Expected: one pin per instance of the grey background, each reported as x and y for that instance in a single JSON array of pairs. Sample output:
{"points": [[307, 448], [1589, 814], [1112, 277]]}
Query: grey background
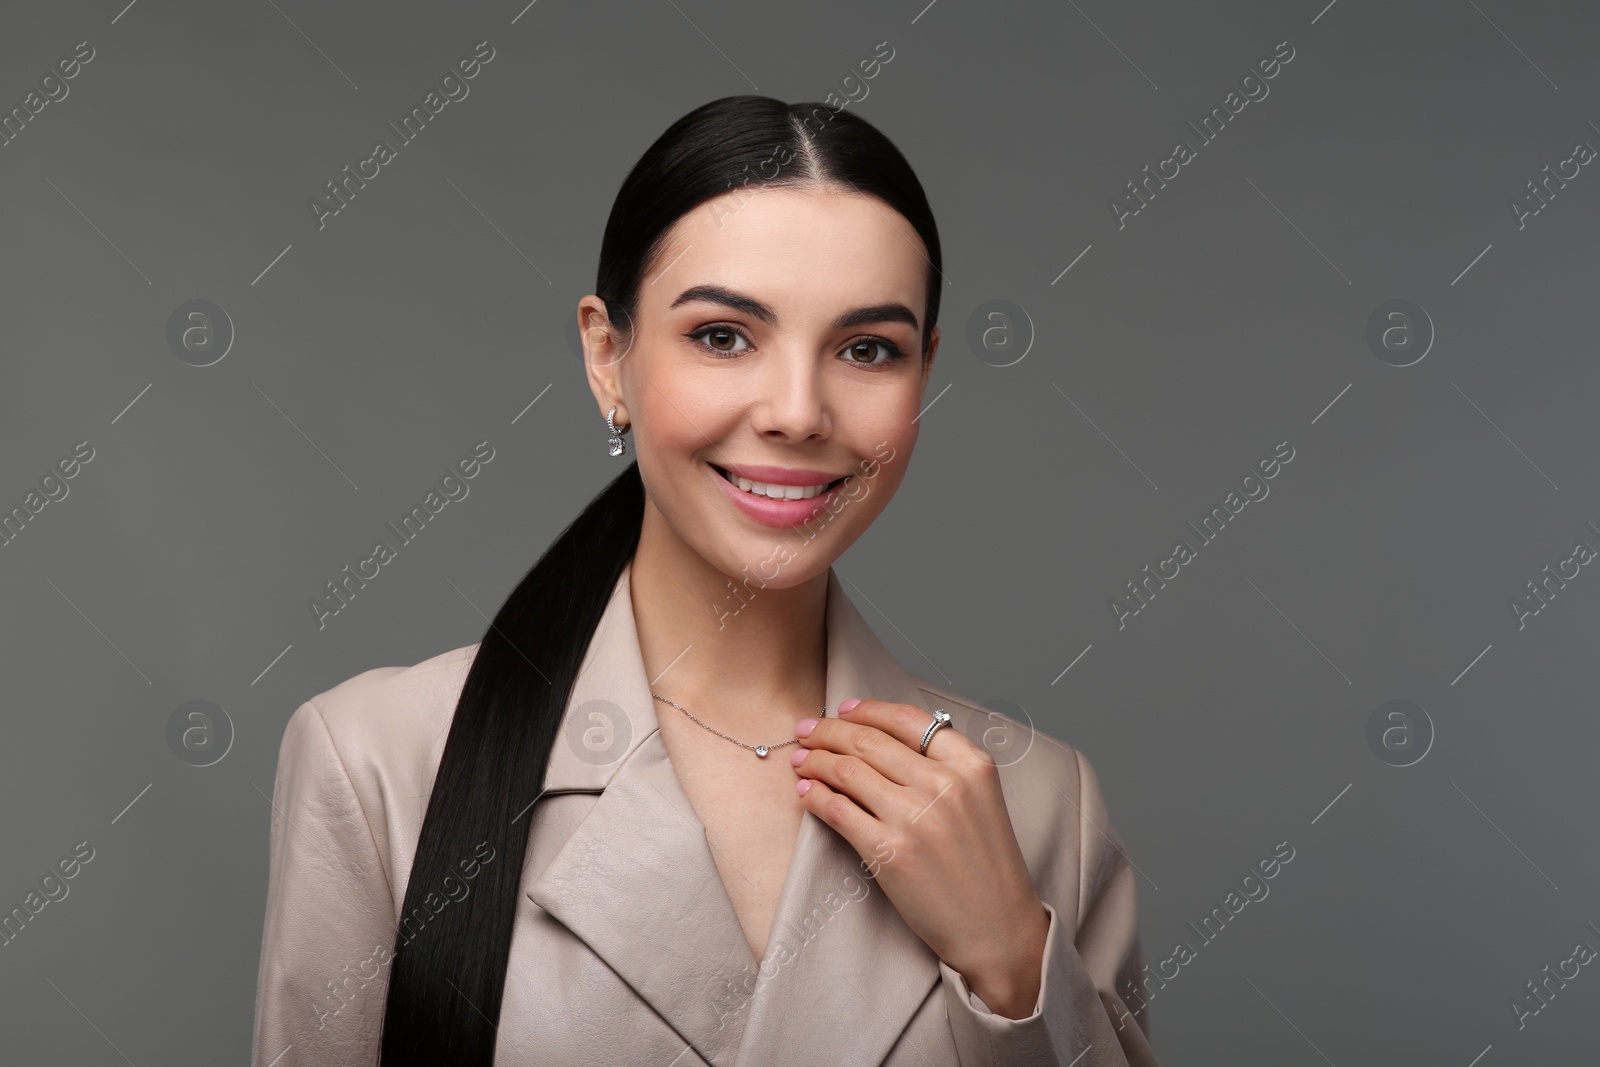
{"points": [[1227, 316]]}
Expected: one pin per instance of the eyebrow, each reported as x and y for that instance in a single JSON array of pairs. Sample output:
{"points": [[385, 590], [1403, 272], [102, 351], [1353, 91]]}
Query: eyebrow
{"points": [[717, 294]]}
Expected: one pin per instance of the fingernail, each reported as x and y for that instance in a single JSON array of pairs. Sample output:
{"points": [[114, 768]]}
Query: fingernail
{"points": [[804, 727], [799, 755], [848, 705], [802, 785]]}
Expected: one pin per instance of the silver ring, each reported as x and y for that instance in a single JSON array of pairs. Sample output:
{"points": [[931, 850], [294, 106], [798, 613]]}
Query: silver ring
{"points": [[940, 718]]}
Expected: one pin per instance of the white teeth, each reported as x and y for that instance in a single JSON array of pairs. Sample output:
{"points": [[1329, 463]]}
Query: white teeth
{"points": [[777, 492]]}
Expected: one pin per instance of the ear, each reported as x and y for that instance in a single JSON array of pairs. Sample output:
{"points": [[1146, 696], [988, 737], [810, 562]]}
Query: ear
{"points": [[603, 352], [933, 348]]}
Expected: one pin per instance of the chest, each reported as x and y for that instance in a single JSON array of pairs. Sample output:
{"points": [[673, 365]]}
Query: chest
{"points": [[752, 818]]}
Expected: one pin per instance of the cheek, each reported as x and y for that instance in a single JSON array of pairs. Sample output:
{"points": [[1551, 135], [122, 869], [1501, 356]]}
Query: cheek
{"points": [[876, 488], [892, 445], [887, 412], [677, 416]]}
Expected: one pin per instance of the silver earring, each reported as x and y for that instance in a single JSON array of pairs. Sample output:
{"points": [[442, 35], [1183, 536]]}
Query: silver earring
{"points": [[615, 444]]}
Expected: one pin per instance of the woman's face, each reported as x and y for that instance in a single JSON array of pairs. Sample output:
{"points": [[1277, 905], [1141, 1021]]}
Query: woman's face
{"points": [[778, 335]]}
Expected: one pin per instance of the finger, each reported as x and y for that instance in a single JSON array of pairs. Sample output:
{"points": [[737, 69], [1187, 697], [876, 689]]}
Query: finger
{"points": [[881, 751], [850, 775], [843, 814], [908, 722]]}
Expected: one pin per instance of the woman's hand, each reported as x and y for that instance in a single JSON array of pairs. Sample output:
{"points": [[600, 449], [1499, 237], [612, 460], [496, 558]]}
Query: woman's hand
{"points": [[937, 831]]}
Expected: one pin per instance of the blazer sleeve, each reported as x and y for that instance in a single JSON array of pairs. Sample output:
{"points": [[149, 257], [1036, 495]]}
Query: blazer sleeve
{"points": [[329, 930], [1080, 1019]]}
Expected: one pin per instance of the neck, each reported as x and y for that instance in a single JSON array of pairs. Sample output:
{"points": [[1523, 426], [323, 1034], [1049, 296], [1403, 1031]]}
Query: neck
{"points": [[751, 661]]}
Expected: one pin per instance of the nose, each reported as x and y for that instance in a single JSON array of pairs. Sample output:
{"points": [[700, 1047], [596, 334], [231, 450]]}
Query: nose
{"points": [[790, 403]]}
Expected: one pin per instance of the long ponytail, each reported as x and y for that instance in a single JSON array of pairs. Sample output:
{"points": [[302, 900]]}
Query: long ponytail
{"points": [[492, 769], [447, 982]]}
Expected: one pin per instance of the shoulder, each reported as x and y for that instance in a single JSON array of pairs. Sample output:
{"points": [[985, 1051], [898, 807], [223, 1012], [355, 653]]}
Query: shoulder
{"points": [[385, 723], [357, 761]]}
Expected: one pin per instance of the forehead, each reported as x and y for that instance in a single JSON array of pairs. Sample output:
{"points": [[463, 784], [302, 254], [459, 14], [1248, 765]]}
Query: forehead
{"points": [[807, 251]]}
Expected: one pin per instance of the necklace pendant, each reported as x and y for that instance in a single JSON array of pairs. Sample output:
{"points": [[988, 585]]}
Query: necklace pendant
{"points": [[762, 750]]}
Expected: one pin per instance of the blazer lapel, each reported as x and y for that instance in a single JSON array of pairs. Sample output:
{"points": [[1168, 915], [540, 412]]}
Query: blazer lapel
{"points": [[840, 963], [637, 883]]}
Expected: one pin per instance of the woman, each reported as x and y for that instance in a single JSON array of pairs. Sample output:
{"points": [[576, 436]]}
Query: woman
{"points": [[679, 805]]}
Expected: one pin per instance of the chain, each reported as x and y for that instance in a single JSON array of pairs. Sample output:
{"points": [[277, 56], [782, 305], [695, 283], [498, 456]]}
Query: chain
{"points": [[760, 750]]}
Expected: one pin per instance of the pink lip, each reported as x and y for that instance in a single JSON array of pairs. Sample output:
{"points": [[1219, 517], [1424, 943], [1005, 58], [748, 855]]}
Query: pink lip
{"points": [[777, 513]]}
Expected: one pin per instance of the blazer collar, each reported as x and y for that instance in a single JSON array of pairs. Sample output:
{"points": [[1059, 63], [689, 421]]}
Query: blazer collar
{"points": [[637, 883]]}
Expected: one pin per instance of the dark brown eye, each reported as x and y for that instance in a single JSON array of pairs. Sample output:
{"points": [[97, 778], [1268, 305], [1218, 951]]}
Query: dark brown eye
{"points": [[866, 346], [721, 340]]}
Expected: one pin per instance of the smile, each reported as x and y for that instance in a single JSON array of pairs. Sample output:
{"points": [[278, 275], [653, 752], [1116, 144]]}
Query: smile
{"points": [[774, 505], [777, 492]]}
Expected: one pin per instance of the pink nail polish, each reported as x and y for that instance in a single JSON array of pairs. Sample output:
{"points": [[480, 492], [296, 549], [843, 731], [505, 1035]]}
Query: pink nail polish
{"points": [[802, 785], [804, 727], [799, 756], [849, 705]]}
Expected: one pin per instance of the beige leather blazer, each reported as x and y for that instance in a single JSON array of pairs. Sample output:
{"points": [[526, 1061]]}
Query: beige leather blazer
{"points": [[626, 949]]}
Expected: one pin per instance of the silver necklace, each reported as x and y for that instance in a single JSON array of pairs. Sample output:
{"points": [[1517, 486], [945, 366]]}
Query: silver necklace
{"points": [[760, 750]]}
